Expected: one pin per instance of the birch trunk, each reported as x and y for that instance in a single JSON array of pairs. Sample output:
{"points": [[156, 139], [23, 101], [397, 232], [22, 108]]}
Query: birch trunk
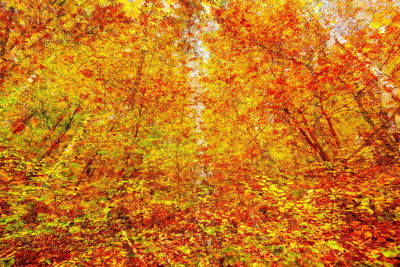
{"points": [[389, 91], [196, 55]]}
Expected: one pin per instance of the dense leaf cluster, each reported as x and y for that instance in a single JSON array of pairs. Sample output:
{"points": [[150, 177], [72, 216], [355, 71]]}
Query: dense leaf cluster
{"points": [[205, 133]]}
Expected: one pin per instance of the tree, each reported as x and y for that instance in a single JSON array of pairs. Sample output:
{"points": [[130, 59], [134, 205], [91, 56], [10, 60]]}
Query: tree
{"points": [[207, 133]]}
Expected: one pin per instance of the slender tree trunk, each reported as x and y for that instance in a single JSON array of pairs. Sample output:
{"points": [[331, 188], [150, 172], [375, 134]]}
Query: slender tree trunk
{"points": [[17, 52], [331, 128], [61, 136], [309, 136], [67, 153], [389, 91], [364, 112], [194, 50]]}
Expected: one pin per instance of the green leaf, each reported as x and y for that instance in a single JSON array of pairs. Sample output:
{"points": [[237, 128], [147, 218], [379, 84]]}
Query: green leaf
{"points": [[210, 230], [8, 262], [74, 229], [390, 253], [334, 245]]}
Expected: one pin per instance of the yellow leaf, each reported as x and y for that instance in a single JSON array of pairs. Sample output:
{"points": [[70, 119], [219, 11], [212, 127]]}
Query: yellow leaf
{"points": [[368, 235], [132, 8]]}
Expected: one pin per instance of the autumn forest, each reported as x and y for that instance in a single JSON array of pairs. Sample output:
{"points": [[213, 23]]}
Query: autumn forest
{"points": [[199, 133]]}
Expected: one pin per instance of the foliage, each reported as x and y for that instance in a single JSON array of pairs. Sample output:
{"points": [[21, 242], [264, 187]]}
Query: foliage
{"points": [[206, 133]]}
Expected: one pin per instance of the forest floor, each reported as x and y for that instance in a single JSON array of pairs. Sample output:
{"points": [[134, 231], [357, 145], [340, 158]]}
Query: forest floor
{"points": [[315, 218]]}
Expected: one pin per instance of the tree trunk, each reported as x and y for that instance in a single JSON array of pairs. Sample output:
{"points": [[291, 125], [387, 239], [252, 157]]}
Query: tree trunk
{"points": [[309, 136], [331, 129]]}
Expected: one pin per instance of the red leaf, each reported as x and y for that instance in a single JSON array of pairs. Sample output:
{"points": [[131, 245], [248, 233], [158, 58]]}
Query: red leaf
{"points": [[87, 73]]}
